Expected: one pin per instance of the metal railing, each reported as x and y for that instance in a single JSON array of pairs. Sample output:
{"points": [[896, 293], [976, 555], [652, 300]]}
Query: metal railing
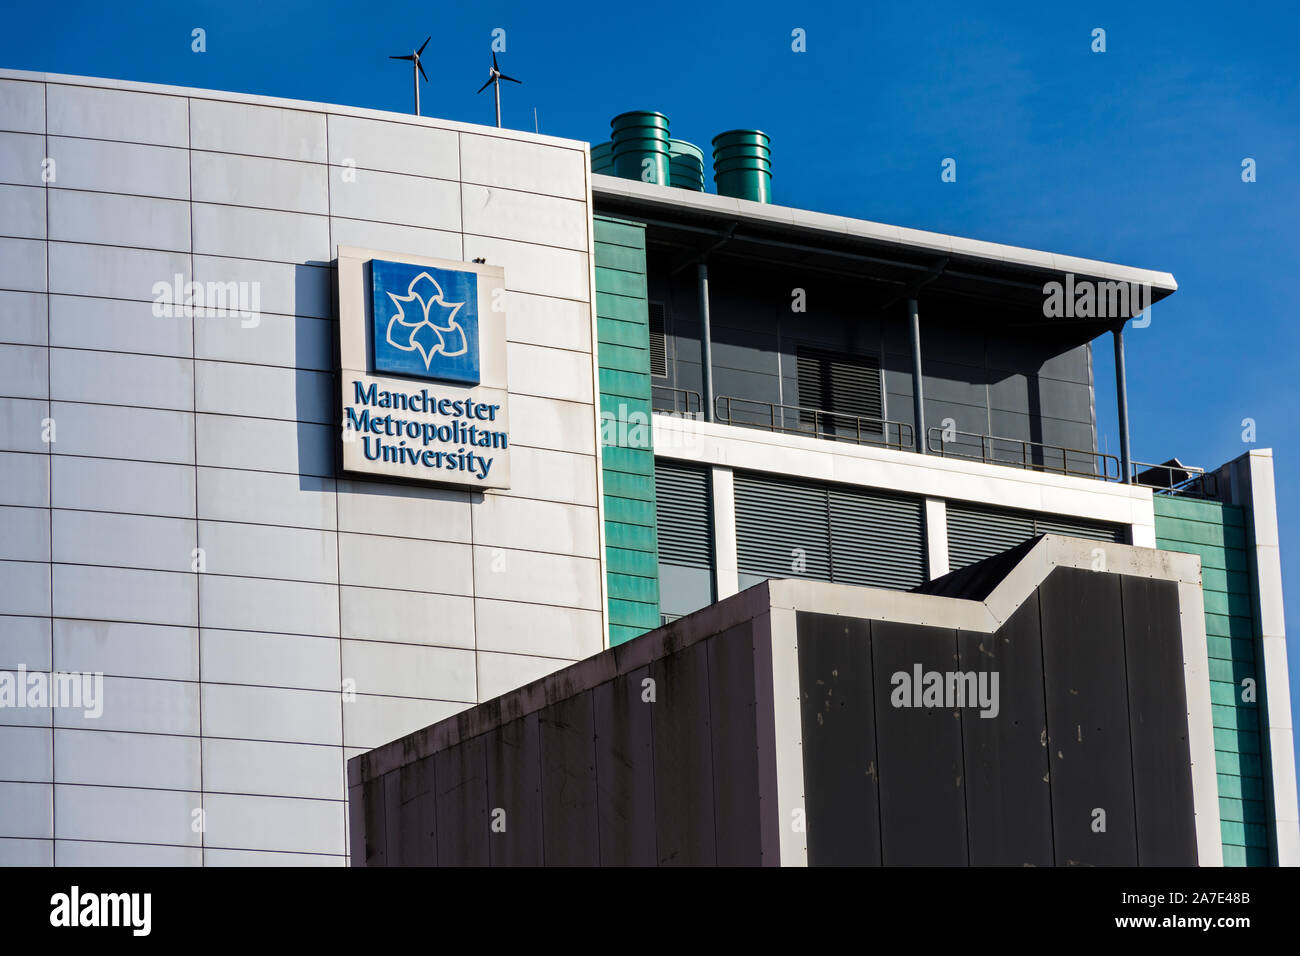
{"points": [[813, 422], [1022, 453], [677, 401], [1169, 478], [1175, 478]]}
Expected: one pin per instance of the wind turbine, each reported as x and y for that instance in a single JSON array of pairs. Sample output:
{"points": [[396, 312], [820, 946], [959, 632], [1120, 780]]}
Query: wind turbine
{"points": [[494, 79], [418, 70]]}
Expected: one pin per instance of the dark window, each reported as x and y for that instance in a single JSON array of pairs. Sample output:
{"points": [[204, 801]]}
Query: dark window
{"points": [[658, 341], [848, 386]]}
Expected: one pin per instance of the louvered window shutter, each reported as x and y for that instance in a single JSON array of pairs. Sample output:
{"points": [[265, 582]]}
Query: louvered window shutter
{"points": [[658, 341], [682, 513], [976, 533], [847, 385]]}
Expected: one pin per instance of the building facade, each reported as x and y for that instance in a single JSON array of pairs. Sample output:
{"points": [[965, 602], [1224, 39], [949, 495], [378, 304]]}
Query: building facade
{"points": [[257, 615], [704, 392], [791, 724]]}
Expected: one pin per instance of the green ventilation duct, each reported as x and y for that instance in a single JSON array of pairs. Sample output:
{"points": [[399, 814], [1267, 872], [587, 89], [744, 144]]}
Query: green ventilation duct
{"points": [[602, 159], [641, 151], [686, 164], [742, 164]]}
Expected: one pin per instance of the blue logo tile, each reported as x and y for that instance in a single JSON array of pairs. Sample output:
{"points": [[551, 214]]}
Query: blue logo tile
{"points": [[426, 321]]}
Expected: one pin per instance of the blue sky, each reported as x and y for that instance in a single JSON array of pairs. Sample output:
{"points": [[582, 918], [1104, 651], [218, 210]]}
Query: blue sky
{"points": [[1132, 155]]}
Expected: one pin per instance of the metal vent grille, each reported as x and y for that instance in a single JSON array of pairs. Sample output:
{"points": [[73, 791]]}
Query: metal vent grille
{"points": [[658, 341], [827, 533], [682, 513], [840, 383], [877, 540], [978, 533], [782, 530]]}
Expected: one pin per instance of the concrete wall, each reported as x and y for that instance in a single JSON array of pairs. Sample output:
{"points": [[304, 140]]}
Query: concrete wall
{"points": [[763, 729], [223, 688]]}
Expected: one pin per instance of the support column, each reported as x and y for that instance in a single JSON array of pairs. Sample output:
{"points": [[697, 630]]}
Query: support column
{"points": [[1253, 485], [918, 397], [936, 538], [706, 343], [726, 563], [1121, 401]]}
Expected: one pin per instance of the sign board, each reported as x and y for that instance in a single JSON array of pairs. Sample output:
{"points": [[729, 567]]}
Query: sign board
{"points": [[422, 348]]}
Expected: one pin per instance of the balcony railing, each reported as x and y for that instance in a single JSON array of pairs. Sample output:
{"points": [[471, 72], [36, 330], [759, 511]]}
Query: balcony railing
{"points": [[676, 401], [813, 422], [1021, 453], [1169, 478]]}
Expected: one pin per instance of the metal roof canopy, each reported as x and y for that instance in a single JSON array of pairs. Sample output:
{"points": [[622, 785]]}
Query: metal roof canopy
{"points": [[901, 258]]}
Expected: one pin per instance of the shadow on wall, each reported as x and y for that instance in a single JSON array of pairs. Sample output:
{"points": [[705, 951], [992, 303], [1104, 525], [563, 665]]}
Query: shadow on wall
{"points": [[989, 372]]}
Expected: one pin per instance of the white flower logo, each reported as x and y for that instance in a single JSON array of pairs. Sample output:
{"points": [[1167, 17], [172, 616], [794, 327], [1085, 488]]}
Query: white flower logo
{"points": [[434, 330]]}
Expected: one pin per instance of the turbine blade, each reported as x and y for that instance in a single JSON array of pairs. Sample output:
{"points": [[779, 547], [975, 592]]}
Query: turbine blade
{"points": [[401, 58], [424, 44], [511, 79], [421, 69], [494, 59], [486, 85]]}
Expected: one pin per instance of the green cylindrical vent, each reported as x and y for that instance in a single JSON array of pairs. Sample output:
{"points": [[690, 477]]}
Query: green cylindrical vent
{"points": [[686, 165], [640, 141], [602, 159], [742, 164]]}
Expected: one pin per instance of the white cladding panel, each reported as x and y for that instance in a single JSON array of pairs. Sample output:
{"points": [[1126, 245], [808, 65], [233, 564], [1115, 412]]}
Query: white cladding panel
{"points": [[185, 531]]}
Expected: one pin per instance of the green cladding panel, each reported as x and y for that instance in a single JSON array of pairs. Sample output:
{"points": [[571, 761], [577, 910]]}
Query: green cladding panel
{"points": [[1217, 532], [628, 459]]}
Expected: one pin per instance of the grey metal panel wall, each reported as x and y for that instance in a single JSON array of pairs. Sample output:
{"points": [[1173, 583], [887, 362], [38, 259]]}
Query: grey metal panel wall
{"points": [[625, 793], [1091, 716], [1008, 793], [568, 762], [417, 824], [612, 775], [684, 814], [513, 753], [732, 720], [461, 802], [828, 533], [976, 533], [1157, 701], [375, 805], [841, 789], [1086, 690], [922, 783]]}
